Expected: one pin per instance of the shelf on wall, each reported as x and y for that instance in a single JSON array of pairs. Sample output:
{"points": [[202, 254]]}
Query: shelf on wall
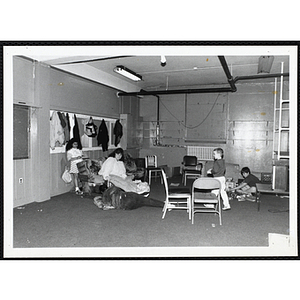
{"points": [[239, 139], [250, 121], [206, 141]]}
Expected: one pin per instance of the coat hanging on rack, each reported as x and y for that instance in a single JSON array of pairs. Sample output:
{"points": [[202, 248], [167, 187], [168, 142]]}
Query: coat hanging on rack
{"points": [[64, 124], [66, 128], [68, 122], [76, 133], [57, 136], [103, 137], [118, 132]]}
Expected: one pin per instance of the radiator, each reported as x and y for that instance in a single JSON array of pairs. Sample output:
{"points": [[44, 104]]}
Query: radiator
{"points": [[202, 153]]}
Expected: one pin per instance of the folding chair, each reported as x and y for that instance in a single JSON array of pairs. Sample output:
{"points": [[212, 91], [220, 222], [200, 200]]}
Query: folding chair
{"points": [[206, 197], [151, 167], [181, 200], [190, 168]]}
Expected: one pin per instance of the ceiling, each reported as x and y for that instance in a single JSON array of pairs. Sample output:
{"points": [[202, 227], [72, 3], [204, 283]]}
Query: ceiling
{"points": [[180, 72]]}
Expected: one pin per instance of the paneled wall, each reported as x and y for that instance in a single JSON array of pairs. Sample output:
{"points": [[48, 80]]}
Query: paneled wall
{"points": [[250, 126], [31, 176], [241, 123]]}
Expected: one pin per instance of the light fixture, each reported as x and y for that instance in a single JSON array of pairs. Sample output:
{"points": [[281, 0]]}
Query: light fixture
{"points": [[265, 64], [127, 73], [163, 61]]}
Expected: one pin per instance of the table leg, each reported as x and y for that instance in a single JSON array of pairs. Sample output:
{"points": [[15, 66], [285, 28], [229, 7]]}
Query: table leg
{"points": [[258, 200]]}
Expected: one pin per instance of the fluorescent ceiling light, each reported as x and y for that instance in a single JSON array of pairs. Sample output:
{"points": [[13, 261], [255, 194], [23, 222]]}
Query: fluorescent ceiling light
{"points": [[265, 64], [127, 73]]}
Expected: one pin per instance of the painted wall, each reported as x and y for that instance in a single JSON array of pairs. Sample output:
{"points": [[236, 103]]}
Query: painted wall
{"points": [[241, 123]]}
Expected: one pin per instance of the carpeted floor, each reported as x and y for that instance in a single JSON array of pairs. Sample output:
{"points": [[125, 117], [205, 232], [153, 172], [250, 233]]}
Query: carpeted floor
{"points": [[70, 220]]}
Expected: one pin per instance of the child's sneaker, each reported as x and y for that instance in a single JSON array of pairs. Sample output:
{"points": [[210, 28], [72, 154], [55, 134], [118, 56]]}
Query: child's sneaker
{"points": [[250, 198], [79, 192], [241, 198], [226, 208]]}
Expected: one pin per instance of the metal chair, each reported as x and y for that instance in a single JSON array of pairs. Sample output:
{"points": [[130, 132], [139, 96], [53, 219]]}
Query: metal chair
{"points": [[181, 200], [151, 167], [190, 168], [206, 197]]}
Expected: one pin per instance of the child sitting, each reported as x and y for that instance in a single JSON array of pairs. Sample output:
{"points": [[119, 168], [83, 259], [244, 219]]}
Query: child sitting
{"points": [[247, 189]]}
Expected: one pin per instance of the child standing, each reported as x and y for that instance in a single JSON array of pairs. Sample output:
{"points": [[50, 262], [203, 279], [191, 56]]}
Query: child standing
{"points": [[74, 156], [218, 171]]}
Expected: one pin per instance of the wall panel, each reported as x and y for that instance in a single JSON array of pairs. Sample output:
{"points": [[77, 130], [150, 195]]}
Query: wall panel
{"points": [[245, 143], [77, 95]]}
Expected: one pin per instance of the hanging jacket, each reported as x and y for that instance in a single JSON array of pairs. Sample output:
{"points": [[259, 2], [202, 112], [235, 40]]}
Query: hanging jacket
{"points": [[103, 137], [57, 136], [76, 133], [63, 122], [118, 132], [66, 128], [68, 122]]}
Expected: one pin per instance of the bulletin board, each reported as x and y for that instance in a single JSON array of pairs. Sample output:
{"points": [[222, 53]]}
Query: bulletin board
{"points": [[21, 129]]}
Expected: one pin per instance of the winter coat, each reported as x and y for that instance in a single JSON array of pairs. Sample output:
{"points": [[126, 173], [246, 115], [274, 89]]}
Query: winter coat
{"points": [[118, 132], [103, 137], [76, 133]]}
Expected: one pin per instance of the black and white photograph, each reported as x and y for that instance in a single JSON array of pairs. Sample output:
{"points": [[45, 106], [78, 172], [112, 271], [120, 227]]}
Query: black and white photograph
{"points": [[150, 151]]}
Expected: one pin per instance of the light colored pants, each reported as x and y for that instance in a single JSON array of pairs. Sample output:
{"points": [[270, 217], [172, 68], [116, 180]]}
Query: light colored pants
{"points": [[224, 196], [247, 190]]}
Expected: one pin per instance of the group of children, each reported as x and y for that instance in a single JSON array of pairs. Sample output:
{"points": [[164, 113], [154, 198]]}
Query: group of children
{"points": [[244, 191]]}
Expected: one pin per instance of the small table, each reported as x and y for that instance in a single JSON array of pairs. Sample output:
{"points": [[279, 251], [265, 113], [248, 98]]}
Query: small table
{"points": [[266, 188]]}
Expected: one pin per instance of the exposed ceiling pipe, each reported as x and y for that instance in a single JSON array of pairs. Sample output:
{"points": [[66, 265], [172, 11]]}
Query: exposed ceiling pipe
{"points": [[227, 72], [193, 91], [183, 91], [157, 117], [259, 76], [230, 79], [157, 139]]}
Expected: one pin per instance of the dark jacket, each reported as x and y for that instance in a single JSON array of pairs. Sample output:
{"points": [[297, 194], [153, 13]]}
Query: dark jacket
{"points": [[118, 132], [103, 137], [76, 133]]}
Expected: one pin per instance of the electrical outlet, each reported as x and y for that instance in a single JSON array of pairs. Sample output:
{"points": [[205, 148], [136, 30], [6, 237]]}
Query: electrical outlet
{"points": [[20, 180]]}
